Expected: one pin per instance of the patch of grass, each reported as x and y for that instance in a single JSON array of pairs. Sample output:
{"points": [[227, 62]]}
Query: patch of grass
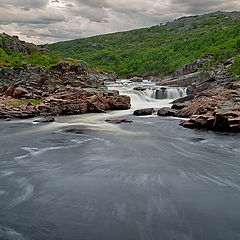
{"points": [[197, 74], [18, 59], [33, 101]]}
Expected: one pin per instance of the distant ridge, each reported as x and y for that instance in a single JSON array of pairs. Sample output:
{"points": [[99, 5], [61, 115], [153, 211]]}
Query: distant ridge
{"points": [[161, 49]]}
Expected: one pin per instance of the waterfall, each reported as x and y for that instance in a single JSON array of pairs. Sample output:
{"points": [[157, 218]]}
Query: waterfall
{"points": [[168, 93], [147, 94]]}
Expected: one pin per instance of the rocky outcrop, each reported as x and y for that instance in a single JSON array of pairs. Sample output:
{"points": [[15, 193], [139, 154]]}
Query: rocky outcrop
{"points": [[196, 79], [193, 66], [9, 44], [216, 109], [62, 90]]}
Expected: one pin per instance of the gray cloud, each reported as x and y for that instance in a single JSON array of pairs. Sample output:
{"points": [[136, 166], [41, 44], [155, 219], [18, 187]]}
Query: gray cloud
{"points": [[25, 9], [54, 20], [24, 3]]}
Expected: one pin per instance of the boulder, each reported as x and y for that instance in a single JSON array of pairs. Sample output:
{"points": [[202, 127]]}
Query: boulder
{"points": [[120, 102], [20, 91], [143, 112], [166, 111]]}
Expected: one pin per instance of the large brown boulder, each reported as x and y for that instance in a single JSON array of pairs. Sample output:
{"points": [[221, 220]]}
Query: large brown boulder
{"points": [[222, 122], [143, 112], [216, 109], [121, 102]]}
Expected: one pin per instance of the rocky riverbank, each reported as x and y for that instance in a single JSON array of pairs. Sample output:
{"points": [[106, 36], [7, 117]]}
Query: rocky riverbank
{"points": [[63, 89], [213, 100], [215, 109]]}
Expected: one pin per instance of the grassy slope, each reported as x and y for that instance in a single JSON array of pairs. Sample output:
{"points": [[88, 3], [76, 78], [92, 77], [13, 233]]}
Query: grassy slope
{"points": [[15, 53], [161, 49]]}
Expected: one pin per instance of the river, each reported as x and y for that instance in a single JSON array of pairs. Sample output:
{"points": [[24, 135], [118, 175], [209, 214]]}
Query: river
{"points": [[81, 178]]}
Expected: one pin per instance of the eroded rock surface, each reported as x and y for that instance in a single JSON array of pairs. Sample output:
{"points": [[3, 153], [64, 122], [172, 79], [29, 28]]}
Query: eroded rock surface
{"points": [[215, 109], [65, 89]]}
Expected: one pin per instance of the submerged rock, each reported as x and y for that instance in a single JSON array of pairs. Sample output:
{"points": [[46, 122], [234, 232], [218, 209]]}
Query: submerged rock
{"points": [[117, 121], [140, 88], [46, 119]]}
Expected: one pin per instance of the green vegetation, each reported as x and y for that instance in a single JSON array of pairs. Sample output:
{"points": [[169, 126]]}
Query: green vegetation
{"points": [[18, 59], [236, 67], [14, 53], [159, 50], [33, 101]]}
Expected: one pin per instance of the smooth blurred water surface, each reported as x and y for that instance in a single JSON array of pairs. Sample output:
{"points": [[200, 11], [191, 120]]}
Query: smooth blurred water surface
{"points": [[81, 178]]}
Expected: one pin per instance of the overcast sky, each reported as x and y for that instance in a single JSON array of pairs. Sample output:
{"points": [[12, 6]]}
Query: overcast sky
{"points": [[47, 21]]}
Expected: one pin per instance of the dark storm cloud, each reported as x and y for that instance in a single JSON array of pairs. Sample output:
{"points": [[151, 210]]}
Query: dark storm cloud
{"points": [[54, 20]]}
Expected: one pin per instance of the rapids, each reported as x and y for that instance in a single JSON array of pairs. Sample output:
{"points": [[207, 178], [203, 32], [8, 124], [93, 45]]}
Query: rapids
{"points": [[81, 178]]}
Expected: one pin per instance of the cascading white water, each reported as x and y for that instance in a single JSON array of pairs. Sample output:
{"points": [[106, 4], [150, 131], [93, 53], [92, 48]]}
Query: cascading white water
{"points": [[169, 93], [139, 99], [147, 94]]}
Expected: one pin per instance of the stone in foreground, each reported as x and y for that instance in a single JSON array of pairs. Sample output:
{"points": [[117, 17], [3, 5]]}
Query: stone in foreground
{"points": [[143, 112]]}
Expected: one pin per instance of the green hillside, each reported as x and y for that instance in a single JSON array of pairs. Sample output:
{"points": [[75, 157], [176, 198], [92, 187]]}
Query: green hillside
{"points": [[16, 53], [161, 49]]}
